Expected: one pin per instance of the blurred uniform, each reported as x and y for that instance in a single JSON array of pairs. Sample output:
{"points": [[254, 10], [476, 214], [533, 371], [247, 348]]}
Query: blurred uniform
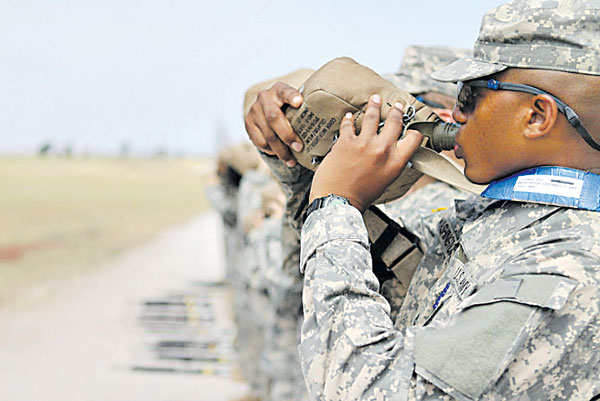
{"points": [[251, 302], [232, 163], [252, 244], [266, 339]]}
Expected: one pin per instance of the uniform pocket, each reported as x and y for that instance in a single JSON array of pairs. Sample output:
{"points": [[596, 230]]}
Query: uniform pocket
{"points": [[469, 355]]}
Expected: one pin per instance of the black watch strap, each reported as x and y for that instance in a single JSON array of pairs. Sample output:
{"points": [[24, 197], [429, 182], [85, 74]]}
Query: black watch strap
{"points": [[325, 201]]}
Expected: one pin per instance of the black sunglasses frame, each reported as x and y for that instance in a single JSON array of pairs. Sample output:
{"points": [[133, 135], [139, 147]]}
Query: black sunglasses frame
{"points": [[572, 117]]}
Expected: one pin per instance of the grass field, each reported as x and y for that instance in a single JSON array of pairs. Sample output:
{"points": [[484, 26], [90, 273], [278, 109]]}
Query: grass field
{"points": [[62, 217]]}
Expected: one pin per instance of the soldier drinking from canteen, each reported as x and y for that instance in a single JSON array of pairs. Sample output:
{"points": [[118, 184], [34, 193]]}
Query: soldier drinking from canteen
{"points": [[511, 306]]}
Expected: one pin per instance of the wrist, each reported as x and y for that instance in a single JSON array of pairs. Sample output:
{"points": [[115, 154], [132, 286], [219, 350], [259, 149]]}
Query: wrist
{"points": [[325, 201]]}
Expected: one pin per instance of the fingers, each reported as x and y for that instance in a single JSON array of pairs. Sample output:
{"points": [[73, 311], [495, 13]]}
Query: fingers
{"points": [[268, 139], [288, 94], [257, 138], [347, 126], [407, 146], [276, 119], [392, 130], [267, 126], [370, 123]]}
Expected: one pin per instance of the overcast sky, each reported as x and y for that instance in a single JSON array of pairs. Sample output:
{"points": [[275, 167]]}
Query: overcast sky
{"points": [[94, 74]]}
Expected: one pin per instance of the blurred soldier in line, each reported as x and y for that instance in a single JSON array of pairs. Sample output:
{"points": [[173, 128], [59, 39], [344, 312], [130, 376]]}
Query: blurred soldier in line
{"points": [[413, 76], [260, 207], [254, 239], [232, 163], [238, 199]]}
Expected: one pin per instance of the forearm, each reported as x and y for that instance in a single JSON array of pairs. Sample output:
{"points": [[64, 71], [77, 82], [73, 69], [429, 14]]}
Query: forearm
{"points": [[350, 349], [295, 182]]}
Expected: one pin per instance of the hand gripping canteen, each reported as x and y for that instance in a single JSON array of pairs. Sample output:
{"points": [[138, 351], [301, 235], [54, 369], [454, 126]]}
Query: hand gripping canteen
{"points": [[341, 86]]}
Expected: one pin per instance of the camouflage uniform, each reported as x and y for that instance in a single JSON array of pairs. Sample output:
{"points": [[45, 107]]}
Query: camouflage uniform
{"points": [[417, 65], [250, 298], [288, 297], [505, 303], [267, 299], [223, 198], [296, 183], [498, 317], [233, 162], [419, 212]]}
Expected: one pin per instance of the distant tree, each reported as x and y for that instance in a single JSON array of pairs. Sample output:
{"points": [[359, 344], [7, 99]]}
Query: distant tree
{"points": [[161, 152], [68, 151], [124, 152], [44, 149]]}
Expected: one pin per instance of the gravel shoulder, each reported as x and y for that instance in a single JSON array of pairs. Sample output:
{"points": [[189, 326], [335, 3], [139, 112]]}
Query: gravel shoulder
{"points": [[80, 339]]}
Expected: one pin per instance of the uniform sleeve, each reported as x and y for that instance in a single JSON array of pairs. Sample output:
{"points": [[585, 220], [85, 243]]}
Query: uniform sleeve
{"points": [[223, 203], [295, 182], [349, 349]]}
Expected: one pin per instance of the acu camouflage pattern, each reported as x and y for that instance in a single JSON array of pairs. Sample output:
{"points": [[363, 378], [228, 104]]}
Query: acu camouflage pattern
{"points": [[296, 183], [516, 290], [267, 332], [223, 197], [285, 288], [225, 203], [259, 240], [557, 35], [419, 212], [417, 65]]}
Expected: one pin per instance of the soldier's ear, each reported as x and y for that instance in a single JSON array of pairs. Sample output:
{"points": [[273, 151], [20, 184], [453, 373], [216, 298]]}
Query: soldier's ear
{"points": [[541, 115]]}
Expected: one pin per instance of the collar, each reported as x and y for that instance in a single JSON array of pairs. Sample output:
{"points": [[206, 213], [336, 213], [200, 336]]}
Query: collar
{"points": [[552, 185]]}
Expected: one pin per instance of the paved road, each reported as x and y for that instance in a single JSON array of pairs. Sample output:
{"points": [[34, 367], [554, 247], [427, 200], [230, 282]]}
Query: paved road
{"points": [[80, 343]]}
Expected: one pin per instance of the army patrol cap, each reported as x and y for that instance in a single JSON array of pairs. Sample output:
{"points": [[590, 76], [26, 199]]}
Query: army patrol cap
{"points": [[561, 35], [414, 74], [241, 157]]}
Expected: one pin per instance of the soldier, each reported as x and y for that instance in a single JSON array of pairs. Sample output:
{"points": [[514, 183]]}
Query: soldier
{"points": [[251, 303], [506, 302], [418, 62], [232, 163], [251, 204]]}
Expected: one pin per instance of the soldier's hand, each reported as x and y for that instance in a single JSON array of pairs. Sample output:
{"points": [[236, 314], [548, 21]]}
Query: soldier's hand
{"points": [[267, 126], [361, 167]]}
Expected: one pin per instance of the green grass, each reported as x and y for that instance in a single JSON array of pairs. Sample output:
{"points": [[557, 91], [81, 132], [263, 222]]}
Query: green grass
{"points": [[63, 217]]}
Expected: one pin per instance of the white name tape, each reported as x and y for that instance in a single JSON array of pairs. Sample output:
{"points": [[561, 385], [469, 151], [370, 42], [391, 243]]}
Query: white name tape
{"points": [[550, 185]]}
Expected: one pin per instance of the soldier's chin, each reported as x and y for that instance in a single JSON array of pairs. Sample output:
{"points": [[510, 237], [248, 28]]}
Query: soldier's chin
{"points": [[475, 176]]}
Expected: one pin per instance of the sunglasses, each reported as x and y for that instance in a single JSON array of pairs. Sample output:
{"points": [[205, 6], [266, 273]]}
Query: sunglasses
{"points": [[467, 95]]}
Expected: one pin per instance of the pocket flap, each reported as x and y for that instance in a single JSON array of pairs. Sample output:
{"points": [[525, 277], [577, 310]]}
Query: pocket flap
{"points": [[542, 290], [468, 356]]}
